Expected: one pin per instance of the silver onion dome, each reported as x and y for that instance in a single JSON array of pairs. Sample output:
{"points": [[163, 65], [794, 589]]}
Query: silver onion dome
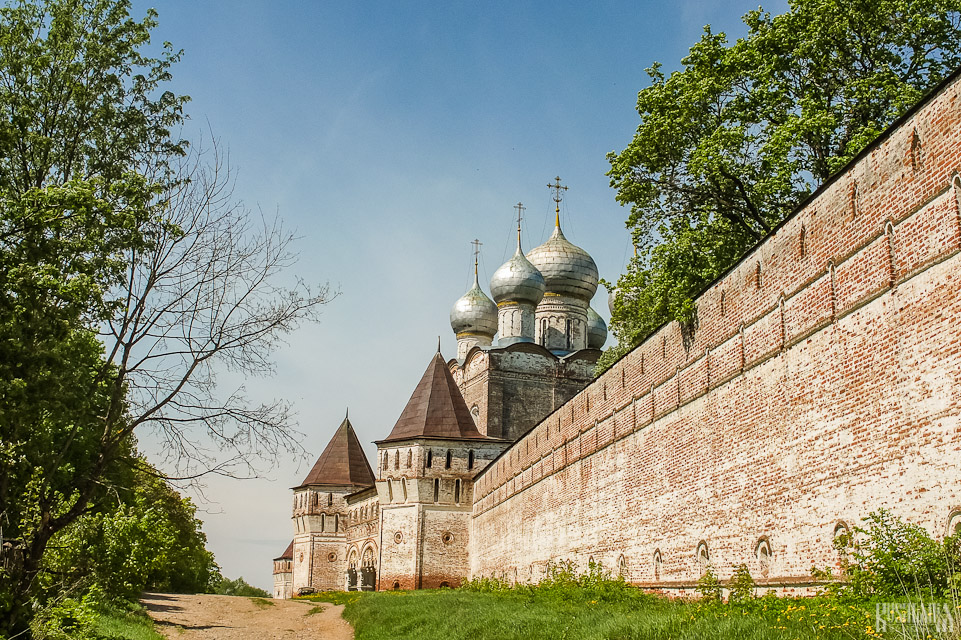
{"points": [[517, 281], [568, 270], [596, 330], [474, 313]]}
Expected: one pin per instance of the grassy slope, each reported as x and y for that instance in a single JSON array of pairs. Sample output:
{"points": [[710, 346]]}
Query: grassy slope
{"points": [[116, 624], [454, 615]]}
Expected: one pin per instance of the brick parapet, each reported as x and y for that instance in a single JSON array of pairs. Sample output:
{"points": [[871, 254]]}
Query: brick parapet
{"points": [[889, 216]]}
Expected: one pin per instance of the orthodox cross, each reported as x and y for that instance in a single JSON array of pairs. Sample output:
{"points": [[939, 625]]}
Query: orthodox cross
{"points": [[477, 245], [557, 188], [520, 216]]}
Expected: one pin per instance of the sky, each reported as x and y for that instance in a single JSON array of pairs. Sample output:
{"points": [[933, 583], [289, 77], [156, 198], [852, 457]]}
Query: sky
{"points": [[387, 136]]}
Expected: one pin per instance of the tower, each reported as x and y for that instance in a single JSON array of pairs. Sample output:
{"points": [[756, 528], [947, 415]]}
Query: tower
{"points": [[517, 287], [425, 486], [570, 278], [474, 316], [319, 512]]}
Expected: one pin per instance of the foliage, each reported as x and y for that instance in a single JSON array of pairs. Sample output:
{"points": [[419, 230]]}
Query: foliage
{"points": [[741, 585], [709, 586], [151, 540], [731, 143], [239, 587], [127, 275], [562, 582], [892, 558]]}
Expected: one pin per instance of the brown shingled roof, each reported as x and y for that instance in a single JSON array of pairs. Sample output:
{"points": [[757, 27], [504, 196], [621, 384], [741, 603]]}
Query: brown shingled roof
{"points": [[288, 554], [436, 409], [343, 461]]}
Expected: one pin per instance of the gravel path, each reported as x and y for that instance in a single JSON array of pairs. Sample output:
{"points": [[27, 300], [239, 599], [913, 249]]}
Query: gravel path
{"points": [[208, 617]]}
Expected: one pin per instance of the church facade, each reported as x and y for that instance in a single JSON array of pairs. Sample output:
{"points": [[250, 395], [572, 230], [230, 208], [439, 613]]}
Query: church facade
{"points": [[821, 382]]}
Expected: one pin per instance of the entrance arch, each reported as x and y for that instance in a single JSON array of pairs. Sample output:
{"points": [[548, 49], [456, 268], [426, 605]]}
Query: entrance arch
{"points": [[368, 570], [352, 574]]}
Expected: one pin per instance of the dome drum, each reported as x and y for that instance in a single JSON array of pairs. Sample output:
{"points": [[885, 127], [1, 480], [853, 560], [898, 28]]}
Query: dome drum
{"points": [[515, 323], [561, 330]]}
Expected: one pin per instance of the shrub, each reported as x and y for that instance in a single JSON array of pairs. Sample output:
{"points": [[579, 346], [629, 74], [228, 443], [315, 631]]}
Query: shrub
{"points": [[742, 586], [893, 558], [709, 587]]}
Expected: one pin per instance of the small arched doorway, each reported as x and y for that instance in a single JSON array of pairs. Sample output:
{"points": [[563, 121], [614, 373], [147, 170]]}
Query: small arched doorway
{"points": [[352, 570], [368, 571]]}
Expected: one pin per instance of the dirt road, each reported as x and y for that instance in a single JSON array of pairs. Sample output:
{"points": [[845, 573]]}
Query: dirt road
{"points": [[208, 617]]}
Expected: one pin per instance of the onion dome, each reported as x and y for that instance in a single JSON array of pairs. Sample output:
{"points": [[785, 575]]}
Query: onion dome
{"points": [[474, 313], [596, 330], [568, 270], [517, 280]]}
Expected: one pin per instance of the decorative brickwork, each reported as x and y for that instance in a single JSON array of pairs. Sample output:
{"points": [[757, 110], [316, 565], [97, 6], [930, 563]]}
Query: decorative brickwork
{"points": [[822, 381]]}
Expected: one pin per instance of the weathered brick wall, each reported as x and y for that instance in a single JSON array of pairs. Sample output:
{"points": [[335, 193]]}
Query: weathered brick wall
{"points": [[320, 535], [823, 382]]}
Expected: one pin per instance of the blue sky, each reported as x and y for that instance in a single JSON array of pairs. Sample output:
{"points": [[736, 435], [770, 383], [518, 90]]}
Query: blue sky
{"points": [[388, 135]]}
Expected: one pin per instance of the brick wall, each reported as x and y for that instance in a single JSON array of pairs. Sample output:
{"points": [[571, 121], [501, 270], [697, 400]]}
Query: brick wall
{"points": [[823, 382]]}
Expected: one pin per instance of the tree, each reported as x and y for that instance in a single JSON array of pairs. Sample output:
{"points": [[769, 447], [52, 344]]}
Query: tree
{"points": [[731, 143], [128, 277]]}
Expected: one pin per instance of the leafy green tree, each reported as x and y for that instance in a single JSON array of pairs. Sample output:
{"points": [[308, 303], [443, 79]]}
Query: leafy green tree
{"points": [[239, 587], [127, 275], [731, 143]]}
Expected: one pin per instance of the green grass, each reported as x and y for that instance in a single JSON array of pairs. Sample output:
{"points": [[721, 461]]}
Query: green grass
{"points": [[459, 614], [116, 624], [263, 603]]}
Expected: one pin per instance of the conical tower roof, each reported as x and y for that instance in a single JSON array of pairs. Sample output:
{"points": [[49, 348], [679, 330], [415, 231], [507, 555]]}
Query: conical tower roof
{"points": [[436, 409], [343, 461], [288, 553]]}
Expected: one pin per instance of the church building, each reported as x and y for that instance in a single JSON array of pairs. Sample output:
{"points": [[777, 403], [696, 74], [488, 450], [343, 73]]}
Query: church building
{"points": [[407, 526]]}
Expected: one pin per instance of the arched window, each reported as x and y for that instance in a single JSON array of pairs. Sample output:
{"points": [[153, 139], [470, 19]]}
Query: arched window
{"points": [[385, 459], [436, 489], [410, 458], [703, 556], [447, 461], [323, 522], [658, 565], [470, 459], [622, 566], [430, 458], [330, 499], [397, 460], [403, 484], [336, 522], [390, 491], [954, 523], [763, 554], [457, 491]]}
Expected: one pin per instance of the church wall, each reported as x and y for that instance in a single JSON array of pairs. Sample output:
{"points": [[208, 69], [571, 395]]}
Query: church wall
{"points": [[822, 382], [398, 553], [511, 389], [320, 534]]}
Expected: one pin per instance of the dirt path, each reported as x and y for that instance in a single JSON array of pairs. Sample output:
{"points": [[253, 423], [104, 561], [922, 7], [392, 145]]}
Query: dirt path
{"points": [[207, 617]]}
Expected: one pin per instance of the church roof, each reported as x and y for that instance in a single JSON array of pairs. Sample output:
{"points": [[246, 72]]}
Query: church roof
{"points": [[436, 409], [288, 553], [342, 462]]}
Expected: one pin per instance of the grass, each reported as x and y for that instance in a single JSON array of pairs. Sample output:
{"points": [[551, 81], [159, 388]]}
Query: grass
{"points": [[262, 603], [460, 614], [117, 624]]}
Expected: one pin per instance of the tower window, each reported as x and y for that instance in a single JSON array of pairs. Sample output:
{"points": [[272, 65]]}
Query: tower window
{"points": [[430, 458], [403, 484], [397, 459], [470, 459], [436, 489], [330, 499], [410, 458], [457, 491], [447, 461], [390, 491]]}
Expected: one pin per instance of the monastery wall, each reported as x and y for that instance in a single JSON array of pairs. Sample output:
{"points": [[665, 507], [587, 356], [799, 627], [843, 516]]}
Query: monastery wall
{"points": [[822, 382]]}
